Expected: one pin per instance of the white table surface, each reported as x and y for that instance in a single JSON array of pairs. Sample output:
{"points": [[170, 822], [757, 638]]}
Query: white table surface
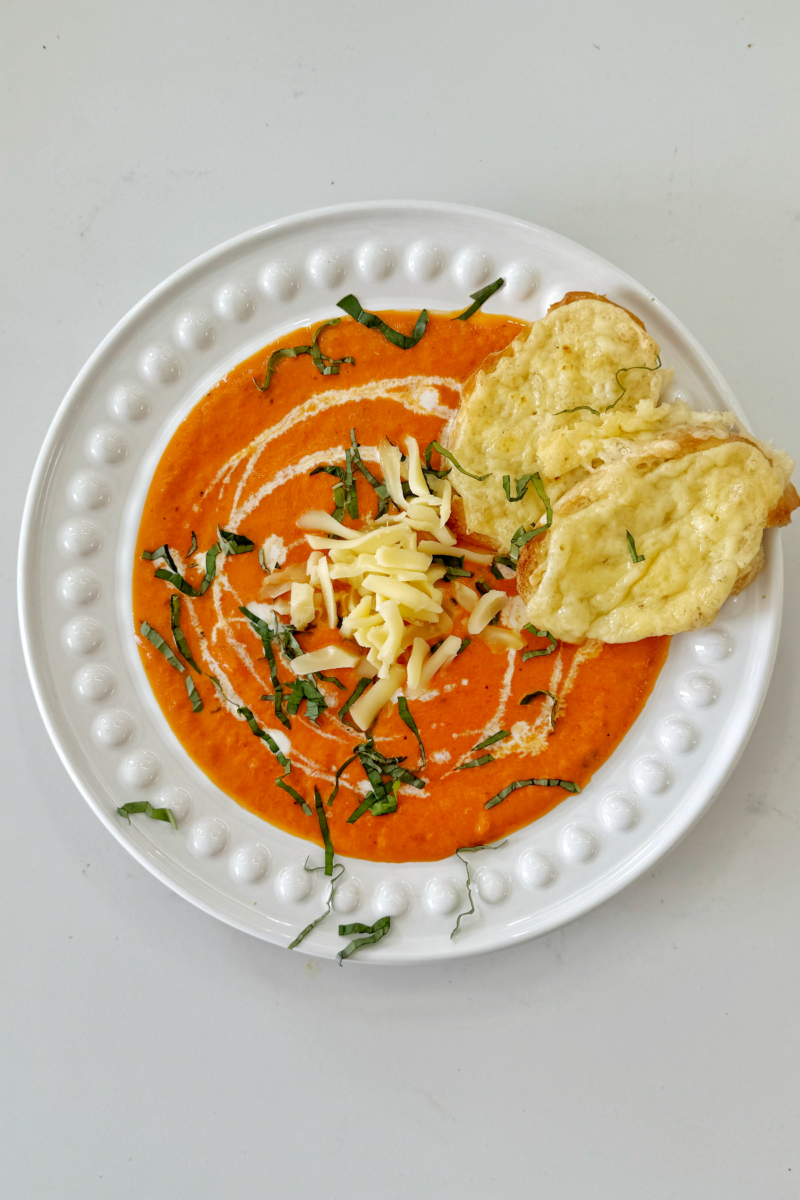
{"points": [[648, 1050]]}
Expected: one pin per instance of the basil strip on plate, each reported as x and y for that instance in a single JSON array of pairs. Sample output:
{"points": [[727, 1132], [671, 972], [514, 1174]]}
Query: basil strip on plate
{"points": [[539, 633], [490, 741], [375, 932], [178, 634], [157, 640], [471, 909], [323, 828], [305, 932], [521, 783], [161, 552], [351, 306], [446, 454], [480, 298], [405, 716], [144, 806], [637, 558]]}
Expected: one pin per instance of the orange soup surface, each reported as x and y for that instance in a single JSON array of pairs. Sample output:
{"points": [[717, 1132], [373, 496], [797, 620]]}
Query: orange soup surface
{"points": [[242, 462]]}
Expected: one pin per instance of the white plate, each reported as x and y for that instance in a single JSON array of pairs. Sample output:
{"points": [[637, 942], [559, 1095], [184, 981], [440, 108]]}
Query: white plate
{"points": [[76, 553]]}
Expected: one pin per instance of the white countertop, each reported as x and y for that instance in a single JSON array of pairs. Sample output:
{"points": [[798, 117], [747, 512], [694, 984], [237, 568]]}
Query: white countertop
{"points": [[649, 1049]]}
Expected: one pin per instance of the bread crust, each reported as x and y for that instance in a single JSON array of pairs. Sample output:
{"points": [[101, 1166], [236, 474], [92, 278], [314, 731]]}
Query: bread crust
{"points": [[571, 297]]}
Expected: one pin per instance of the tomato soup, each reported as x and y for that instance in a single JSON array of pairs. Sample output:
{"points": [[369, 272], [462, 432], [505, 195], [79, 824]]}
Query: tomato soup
{"points": [[242, 462]]}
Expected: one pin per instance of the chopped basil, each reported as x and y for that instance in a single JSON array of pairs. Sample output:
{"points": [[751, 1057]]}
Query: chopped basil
{"points": [[624, 371], [490, 741], [157, 640], [351, 306], [350, 493], [193, 548], [498, 574], [266, 634], [235, 543], [376, 932], [539, 633], [256, 729], [331, 679], [262, 559], [380, 489], [181, 584], [532, 696], [178, 634], [219, 691], [382, 799], [360, 687], [446, 454], [298, 799], [194, 695], [323, 362], [161, 552], [581, 408], [337, 778], [405, 715], [522, 487], [334, 880], [521, 783], [480, 298], [471, 909], [144, 806], [464, 643], [477, 762], [523, 535], [323, 828], [338, 488], [637, 558], [306, 689], [482, 587]]}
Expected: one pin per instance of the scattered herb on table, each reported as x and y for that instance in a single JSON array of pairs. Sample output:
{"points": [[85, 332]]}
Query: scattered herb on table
{"points": [[375, 933]]}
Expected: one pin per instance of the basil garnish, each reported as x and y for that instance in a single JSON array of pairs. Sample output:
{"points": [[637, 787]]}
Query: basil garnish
{"points": [[637, 558], [480, 298], [360, 687], [471, 909], [181, 584], [194, 695], [338, 488], [382, 799], [235, 543], [337, 778], [446, 454], [157, 640], [178, 634], [323, 828], [523, 535], [161, 552], [490, 741], [144, 806], [539, 633], [266, 634], [298, 799], [624, 371], [405, 715], [532, 696], [334, 880], [521, 783], [256, 729], [477, 762], [351, 306], [193, 548], [380, 489], [323, 362], [464, 643], [522, 487], [376, 932]]}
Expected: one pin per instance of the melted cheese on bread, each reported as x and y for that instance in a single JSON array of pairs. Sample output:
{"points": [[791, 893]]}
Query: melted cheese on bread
{"points": [[514, 418], [697, 518]]}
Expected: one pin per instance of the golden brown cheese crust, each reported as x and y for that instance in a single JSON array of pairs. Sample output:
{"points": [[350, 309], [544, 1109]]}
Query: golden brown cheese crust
{"points": [[578, 399]]}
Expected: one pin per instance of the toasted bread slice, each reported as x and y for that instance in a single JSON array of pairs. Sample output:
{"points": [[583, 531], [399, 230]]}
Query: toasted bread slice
{"points": [[570, 359], [696, 507]]}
